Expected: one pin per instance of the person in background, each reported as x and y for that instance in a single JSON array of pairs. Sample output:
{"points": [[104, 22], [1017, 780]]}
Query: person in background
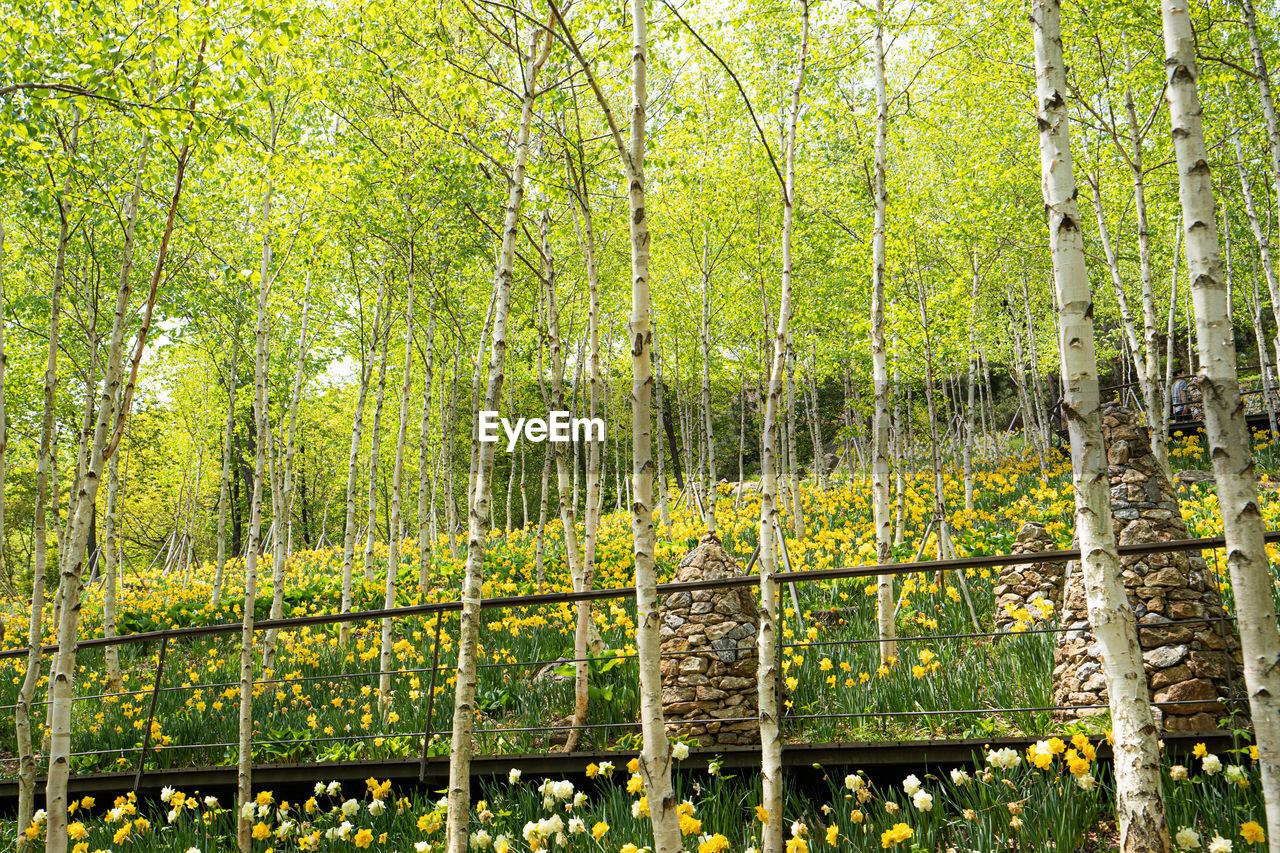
{"points": [[1181, 395]]}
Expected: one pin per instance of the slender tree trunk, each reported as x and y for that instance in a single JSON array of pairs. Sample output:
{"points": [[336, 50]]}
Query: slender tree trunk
{"points": [[1225, 426], [459, 792], [396, 532], [1153, 393], [879, 363], [1140, 810], [40, 544], [371, 532], [426, 491], [4, 420], [113, 409], [224, 487], [262, 430], [282, 516], [664, 513], [972, 381], [706, 392], [448, 425], [1261, 236], [349, 528]]}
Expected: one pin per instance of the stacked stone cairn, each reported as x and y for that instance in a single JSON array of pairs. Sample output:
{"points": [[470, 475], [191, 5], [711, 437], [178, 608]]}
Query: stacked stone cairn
{"points": [[712, 633], [1029, 595], [1192, 663]]}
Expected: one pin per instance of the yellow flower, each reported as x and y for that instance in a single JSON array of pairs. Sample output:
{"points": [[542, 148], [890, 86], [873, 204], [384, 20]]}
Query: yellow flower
{"points": [[762, 814], [629, 848], [633, 766], [263, 798], [261, 832], [1200, 750], [1252, 832], [598, 831], [364, 838], [76, 831], [856, 816], [892, 837], [833, 833], [592, 770], [635, 784], [689, 824], [797, 845]]}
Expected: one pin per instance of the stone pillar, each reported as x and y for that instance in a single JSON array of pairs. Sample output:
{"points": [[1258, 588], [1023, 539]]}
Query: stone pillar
{"points": [[1195, 663], [712, 633], [1029, 594]]}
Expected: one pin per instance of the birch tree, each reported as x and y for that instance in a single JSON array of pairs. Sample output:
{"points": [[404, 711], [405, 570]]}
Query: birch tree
{"points": [[459, 791], [1140, 809], [1225, 426]]}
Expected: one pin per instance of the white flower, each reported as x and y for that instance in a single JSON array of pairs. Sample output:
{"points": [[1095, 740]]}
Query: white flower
{"points": [[442, 804], [1086, 782], [960, 776], [679, 751], [1178, 773], [319, 789], [853, 782], [562, 790], [246, 810], [1187, 838], [350, 807], [166, 794], [1212, 764], [113, 815], [377, 807], [282, 832], [263, 811], [1219, 844], [344, 830], [577, 825], [606, 768], [1004, 759], [922, 800], [193, 850], [514, 776], [635, 809], [333, 789], [481, 839], [211, 802], [798, 829], [579, 800], [330, 834], [911, 784], [548, 802], [421, 846], [1235, 773], [172, 815], [751, 850]]}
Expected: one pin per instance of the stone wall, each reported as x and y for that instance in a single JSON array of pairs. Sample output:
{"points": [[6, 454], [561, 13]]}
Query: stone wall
{"points": [[1029, 594], [713, 633], [1193, 663]]}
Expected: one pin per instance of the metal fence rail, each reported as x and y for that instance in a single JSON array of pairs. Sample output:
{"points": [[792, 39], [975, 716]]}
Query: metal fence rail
{"points": [[164, 637]]}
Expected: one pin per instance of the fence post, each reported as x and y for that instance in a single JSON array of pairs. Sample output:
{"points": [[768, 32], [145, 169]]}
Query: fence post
{"points": [[155, 695]]}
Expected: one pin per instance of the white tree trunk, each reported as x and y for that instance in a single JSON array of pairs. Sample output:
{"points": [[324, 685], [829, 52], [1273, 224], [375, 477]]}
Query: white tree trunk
{"points": [[224, 489], [879, 362], [375, 439], [1227, 432], [706, 392], [426, 498], [1140, 810], [40, 557], [262, 430], [349, 528], [459, 791], [396, 533]]}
